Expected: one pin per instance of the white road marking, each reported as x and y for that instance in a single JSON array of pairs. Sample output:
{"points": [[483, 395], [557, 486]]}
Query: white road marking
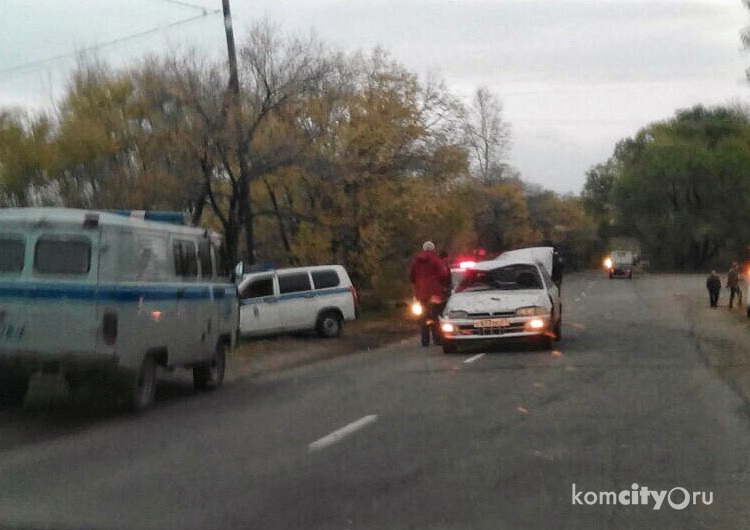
{"points": [[475, 358], [338, 435]]}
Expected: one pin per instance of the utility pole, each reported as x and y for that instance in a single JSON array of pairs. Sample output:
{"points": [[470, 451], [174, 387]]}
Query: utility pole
{"points": [[241, 212]]}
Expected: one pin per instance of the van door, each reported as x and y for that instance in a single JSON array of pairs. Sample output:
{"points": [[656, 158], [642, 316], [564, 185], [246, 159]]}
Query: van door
{"points": [[62, 295], [259, 305], [190, 301], [297, 301], [14, 335]]}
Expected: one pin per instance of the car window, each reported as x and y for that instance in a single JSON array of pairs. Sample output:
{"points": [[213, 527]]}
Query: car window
{"points": [[258, 287], [325, 278], [62, 255], [510, 277], [294, 282], [11, 254]]}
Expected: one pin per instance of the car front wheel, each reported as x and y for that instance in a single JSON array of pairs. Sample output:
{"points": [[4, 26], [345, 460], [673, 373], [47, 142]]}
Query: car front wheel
{"points": [[449, 347]]}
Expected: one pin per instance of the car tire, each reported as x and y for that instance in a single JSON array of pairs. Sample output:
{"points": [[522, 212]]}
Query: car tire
{"points": [[210, 375], [558, 330], [449, 347], [329, 325], [13, 390], [140, 388]]}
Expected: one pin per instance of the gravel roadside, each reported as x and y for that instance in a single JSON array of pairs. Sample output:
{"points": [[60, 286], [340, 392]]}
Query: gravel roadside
{"points": [[723, 338], [372, 330]]}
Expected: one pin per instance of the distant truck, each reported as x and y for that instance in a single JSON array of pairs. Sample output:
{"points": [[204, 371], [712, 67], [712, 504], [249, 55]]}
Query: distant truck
{"points": [[621, 264]]}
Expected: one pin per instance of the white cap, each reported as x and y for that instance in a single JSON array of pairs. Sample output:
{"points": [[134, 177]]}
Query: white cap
{"points": [[428, 245]]}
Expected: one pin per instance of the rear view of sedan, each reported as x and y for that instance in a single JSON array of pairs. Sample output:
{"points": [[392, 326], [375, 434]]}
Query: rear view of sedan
{"points": [[502, 300]]}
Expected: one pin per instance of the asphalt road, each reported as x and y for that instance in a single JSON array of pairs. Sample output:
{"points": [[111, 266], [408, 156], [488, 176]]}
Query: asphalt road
{"points": [[409, 438]]}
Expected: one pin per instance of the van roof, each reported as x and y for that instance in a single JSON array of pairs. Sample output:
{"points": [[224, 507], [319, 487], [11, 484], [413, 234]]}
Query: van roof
{"points": [[76, 217]]}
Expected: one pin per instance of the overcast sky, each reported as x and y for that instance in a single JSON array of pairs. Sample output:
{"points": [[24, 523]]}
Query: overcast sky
{"points": [[574, 76]]}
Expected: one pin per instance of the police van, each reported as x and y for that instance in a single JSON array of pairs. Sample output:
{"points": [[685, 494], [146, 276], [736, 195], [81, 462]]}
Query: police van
{"points": [[104, 299]]}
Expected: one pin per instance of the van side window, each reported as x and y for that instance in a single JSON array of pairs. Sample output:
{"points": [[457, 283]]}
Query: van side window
{"points": [[294, 283], [11, 254], [204, 256], [326, 278], [62, 255], [185, 259], [258, 288]]}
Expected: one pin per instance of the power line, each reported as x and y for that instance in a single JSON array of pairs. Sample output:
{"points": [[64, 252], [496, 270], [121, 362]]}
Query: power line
{"points": [[8, 73], [189, 5]]}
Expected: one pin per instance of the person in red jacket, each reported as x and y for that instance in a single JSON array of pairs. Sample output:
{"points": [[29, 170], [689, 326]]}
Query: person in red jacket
{"points": [[431, 279]]}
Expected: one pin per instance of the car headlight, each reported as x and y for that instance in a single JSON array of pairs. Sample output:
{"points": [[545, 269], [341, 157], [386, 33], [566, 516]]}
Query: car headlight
{"points": [[459, 315], [532, 310]]}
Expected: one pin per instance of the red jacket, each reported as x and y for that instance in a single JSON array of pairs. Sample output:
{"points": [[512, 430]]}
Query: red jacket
{"points": [[430, 276]]}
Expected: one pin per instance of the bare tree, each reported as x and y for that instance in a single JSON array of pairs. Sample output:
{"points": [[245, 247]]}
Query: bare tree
{"points": [[487, 136]]}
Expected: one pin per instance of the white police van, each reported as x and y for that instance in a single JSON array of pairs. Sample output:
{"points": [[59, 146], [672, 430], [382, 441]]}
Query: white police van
{"points": [[104, 299]]}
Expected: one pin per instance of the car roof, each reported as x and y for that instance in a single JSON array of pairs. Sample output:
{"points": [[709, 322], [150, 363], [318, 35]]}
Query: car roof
{"points": [[310, 268]]}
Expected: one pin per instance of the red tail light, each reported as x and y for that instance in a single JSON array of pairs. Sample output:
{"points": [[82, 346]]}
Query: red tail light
{"points": [[109, 328], [355, 295]]}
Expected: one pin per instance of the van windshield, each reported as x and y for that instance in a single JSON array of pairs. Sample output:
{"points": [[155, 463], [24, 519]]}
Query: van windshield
{"points": [[62, 256], [11, 254]]}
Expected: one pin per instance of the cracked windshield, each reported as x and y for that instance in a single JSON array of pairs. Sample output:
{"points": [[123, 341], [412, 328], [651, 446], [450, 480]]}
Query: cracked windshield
{"points": [[374, 265]]}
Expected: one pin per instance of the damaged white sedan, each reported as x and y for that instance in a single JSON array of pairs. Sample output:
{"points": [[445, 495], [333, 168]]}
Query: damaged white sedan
{"points": [[510, 297]]}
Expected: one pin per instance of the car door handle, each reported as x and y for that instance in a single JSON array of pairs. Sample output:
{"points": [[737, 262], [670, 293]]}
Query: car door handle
{"points": [[180, 294]]}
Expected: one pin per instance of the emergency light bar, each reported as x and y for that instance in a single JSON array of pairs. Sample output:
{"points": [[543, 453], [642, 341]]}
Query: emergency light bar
{"points": [[175, 218]]}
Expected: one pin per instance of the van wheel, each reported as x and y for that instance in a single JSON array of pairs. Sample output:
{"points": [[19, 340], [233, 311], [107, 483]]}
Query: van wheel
{"points": [[13, 390], [210, 375], [329, 325], [140, 390]]}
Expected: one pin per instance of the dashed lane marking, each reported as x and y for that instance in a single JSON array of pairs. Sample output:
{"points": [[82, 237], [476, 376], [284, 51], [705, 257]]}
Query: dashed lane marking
{"points": [[337, 436], [474, 358]]}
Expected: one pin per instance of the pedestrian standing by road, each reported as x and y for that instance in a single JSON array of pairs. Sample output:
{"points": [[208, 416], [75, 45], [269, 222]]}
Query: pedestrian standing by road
{"points": [[430, 277], [713, 284], [557, 270], [733, 282]]}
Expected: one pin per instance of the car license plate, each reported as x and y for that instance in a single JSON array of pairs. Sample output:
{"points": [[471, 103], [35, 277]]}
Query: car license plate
{"points": [[491, 323]]}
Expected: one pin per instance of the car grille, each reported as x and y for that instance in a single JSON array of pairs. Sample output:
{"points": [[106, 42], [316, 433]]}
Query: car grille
{"points": [[504, 314]]}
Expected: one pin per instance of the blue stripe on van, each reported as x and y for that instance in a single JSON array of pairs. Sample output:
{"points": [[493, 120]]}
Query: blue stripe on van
{"points": [[112, 293], [301, 294]]}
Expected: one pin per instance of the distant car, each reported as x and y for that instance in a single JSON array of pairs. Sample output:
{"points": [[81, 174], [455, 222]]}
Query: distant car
{"points": [[510, 297], [319, 298]]}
